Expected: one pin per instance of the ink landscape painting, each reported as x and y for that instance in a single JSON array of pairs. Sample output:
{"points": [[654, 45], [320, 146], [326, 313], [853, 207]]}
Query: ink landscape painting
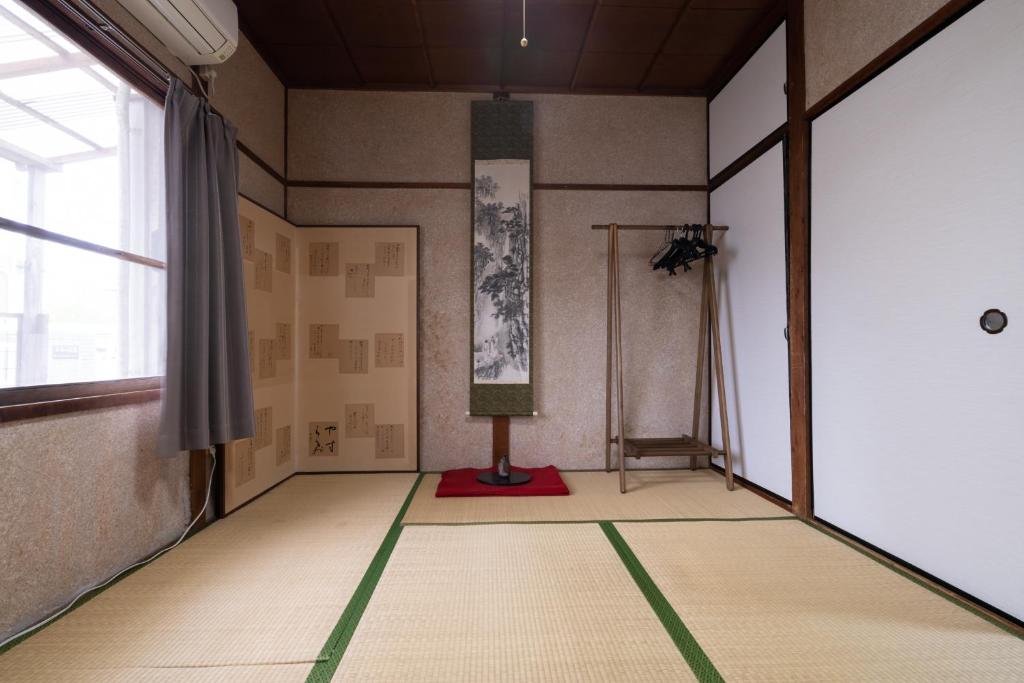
{"points": [[501, 271]]}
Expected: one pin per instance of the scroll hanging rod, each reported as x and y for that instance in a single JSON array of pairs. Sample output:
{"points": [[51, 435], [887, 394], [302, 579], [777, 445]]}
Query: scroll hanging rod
{"points": [[716, 228]]}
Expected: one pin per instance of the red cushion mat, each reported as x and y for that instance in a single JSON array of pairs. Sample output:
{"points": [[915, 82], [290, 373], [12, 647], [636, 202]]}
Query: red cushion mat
{"points": [[458, 483]]}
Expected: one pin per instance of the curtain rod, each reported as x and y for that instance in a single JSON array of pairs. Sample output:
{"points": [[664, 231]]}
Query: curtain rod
{"points": [[716, 228]]}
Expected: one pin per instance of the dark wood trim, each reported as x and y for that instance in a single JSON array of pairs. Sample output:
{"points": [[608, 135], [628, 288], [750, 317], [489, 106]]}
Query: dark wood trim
{"points": [[60, 392], [228, 513], [583, 45], [385, 185], [49, 236], [619, 187], [986, 611], [750, 44], [685, 5], [379, 185], [748, 157], [942, 18], [219, 486], [798, 159], [491, 88], [27, 411], [756, 489], [244, 149], [285, 154]]}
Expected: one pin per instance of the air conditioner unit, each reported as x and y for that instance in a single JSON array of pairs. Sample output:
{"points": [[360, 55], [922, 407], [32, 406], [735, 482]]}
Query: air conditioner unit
{"points": [[195, 31]]}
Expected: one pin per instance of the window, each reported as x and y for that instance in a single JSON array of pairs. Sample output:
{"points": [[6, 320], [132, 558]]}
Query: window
{"points": [[81, 214]]}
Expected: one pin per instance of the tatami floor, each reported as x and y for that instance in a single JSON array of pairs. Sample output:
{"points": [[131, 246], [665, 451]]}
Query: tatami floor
{"points": [[371, 578]]}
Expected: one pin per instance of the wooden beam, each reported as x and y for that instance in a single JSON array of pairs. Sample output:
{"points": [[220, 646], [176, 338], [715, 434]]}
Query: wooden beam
{"points": [[798, 229], [748, 157]]}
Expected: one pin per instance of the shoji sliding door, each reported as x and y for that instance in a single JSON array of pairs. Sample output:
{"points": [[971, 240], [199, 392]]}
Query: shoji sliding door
{"points": [[752, 300], [917, 229], [752, 267]]}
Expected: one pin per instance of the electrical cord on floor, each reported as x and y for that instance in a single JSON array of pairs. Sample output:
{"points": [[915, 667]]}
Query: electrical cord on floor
{"points": [[202, 513]]}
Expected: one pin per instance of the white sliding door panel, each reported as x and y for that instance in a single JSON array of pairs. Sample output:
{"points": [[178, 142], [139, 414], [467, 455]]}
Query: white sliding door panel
{"points": [[917, 228], [751, 106], [751, 269]]}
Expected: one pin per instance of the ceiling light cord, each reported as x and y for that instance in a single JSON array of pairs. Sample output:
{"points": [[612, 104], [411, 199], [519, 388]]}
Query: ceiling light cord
{"points": [[524, 42]]}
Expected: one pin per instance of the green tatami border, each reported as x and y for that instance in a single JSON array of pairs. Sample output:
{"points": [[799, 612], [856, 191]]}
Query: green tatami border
{"points": [[653, 520], [334, 649], [688, 646]]}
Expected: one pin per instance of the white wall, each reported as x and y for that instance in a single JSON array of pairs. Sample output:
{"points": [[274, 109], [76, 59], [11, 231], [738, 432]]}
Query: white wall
{"points": [[918, 227], [751, 266], [751, 106]]}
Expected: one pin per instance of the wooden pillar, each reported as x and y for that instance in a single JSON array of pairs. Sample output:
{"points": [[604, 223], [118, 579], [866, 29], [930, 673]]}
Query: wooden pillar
{"points": [[499, 438], [798, 220]]}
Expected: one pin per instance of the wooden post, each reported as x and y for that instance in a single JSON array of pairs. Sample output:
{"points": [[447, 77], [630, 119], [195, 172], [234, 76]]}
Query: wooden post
{"points": [[499, 438], [614, 230], [698, 391], [716, 340], [798, 229], [608, 367]]}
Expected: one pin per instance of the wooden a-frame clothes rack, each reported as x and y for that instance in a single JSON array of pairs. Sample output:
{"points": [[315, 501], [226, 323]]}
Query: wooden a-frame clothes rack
{"points": [[686, 445]]}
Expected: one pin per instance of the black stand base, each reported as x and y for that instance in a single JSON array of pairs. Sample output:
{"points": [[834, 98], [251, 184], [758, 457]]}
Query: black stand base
{"points": [[513, 479]]}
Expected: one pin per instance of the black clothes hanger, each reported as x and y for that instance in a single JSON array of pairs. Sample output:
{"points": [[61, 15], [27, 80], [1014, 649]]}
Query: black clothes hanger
{"points": [[688, 247]]}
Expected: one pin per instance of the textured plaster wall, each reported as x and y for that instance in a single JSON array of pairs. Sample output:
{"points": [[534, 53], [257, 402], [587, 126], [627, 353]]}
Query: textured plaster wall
{"points": [[425, 137], [842, 36], [84, 495]]}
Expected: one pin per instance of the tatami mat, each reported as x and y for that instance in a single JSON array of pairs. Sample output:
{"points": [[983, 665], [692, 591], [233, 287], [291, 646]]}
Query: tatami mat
{"points": [[264, 673], [509, 603], [781, 601], [263, 586], [652, 494]]}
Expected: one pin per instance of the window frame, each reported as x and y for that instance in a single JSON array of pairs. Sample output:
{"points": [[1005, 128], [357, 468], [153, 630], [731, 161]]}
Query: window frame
{"points": [[107, 42]]}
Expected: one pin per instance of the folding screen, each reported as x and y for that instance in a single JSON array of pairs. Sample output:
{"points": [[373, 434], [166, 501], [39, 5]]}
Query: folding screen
{"points": [[917, 215], [254, 465], [752, 300], [357, 387]]}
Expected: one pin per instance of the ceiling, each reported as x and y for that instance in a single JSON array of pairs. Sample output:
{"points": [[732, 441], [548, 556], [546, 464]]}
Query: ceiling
{"points": [[671, 47]]}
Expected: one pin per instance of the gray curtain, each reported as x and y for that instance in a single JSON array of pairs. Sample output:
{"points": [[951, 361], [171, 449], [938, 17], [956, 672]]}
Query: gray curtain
{"points": [[207, 392]]}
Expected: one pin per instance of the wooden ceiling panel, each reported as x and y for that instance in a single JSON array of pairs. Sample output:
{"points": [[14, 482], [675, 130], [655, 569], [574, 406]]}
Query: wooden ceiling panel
{"points": [[664, 46], [296, 22], [612, 70], [333, 68], [462, 24], [711, 32], [533, 67], [466, 66], [681, 72], [630, 29], [392, 65], [378, 23]]}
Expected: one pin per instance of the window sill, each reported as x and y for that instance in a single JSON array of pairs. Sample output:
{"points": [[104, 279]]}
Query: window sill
{"points": [[24, 403]]}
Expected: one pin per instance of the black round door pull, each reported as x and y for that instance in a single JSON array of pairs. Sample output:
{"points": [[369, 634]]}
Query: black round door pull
{"points": [[993, 321]]}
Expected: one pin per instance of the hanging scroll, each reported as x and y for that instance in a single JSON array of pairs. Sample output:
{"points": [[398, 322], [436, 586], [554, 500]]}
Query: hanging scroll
{"points": [[501, 368]]}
